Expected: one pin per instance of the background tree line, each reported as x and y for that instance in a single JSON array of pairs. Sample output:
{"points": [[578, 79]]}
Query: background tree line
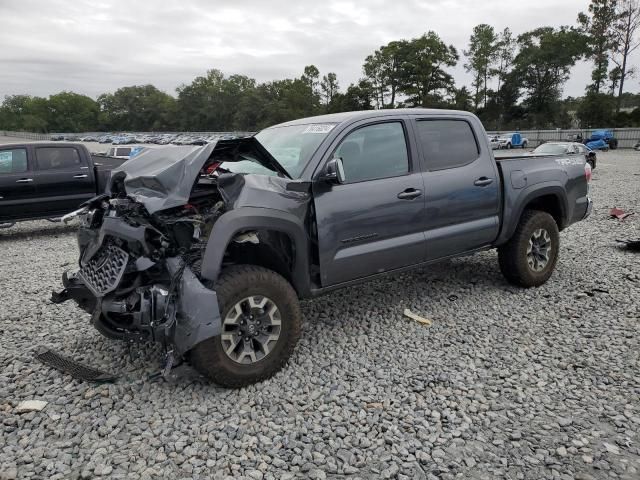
{"points": [[517, 83]]}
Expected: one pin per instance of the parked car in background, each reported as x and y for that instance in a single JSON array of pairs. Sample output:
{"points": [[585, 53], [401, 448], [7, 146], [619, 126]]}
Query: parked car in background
{"points": [[119, 152], [601, 140], [57, 138], [567, 148], [48, 180], [512, 140], [494, 142]]}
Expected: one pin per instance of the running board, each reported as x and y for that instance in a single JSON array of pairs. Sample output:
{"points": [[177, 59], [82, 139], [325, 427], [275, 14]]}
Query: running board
{"points": [[71, 367]]}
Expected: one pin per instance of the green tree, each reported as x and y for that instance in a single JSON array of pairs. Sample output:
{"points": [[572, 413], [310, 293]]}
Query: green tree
{"points": [[542, 66], [358, 96], [424, 80], [384, 70], [72, 112], [137, 108], [596, 110], [311, 77], [626, 41], [506, 47], [329, 86], [24, 112], [598, 26], [482, 54], [209, 102], [461, 99]]}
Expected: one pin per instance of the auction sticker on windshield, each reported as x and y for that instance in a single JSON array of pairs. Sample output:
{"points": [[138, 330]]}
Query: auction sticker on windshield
{"points": [[319, 128]]}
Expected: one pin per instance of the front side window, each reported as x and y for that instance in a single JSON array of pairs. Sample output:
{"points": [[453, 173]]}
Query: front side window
{"points": [[13, 161], [447, 143], [57, 158], [374, 151], [124, 152]]}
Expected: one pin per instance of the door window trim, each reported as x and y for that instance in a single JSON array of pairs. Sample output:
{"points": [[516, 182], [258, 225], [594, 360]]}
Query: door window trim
{"points": [[36, 165], [27, 157], [411, 166], [451, 119]]}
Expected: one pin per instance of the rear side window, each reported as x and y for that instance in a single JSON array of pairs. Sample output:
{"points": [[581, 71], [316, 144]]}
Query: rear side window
{"points": [[447, 143], [374, 151], [57, 158], [13, 161]]}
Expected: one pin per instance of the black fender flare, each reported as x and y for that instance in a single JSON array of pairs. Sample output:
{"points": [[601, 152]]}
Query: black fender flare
{"points": [[254, 218], [514, 211]]}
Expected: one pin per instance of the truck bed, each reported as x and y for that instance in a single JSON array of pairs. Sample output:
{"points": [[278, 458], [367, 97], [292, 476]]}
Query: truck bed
{"points": [[528, 176]]}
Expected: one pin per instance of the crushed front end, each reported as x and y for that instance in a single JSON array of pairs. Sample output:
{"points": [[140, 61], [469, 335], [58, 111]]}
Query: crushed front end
{"points": [[138, 272]]}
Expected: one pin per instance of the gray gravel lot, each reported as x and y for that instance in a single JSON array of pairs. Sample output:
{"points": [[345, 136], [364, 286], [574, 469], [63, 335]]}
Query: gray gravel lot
{"points": [[507, 383]]}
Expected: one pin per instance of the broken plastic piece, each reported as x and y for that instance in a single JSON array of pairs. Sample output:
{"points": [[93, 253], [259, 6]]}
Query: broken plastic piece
{"points": [[250, 237], [409, 314], [619, 213], [31, 406], [632, 245]]}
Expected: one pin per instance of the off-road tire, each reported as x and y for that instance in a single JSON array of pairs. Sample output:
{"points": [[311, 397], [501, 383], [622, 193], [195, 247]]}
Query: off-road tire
{"points": [[512, 256], [234, 284]]}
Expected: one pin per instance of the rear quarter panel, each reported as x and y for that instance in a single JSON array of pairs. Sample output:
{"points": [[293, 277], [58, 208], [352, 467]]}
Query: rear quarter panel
{"points": [[529, 177]]}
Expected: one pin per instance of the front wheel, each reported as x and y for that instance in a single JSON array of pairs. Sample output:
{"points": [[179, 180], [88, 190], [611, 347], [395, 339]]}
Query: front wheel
{"points": [[508, 146], [524, 145], [529, 257], [261, 324]]}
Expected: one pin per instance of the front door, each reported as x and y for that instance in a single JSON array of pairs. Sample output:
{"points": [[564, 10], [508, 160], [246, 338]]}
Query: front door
{"points": [[462, 185], [18, 198], [64, 179], [372, 222]]}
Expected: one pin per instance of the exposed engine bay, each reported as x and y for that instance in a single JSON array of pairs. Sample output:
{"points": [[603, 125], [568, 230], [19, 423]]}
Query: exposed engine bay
{"points": [[143, 243]]}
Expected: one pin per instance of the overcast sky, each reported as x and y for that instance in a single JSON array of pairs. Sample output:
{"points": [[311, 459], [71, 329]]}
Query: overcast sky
{"points": [[96, 46]]}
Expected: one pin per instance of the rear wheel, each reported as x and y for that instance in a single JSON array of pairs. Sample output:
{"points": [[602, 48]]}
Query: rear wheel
{"points": [[261, 323], [524, 145], [529, 257]]}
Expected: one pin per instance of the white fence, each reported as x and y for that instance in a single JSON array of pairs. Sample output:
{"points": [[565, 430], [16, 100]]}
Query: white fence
{"points": [[627, 137]]}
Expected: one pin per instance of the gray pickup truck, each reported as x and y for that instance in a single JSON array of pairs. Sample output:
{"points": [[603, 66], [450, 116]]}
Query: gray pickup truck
{"points": [[208, 249]]}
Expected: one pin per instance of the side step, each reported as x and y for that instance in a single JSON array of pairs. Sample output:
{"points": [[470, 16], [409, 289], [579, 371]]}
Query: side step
{"points": [[73, 368]]}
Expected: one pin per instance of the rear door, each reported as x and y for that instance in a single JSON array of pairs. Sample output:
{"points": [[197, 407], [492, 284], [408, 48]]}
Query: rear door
{"points": [[372, 222], [462, 186], [64, 178], [18, 197]]}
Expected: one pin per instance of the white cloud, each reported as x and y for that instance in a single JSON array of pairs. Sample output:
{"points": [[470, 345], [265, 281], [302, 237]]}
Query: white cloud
{"points": [[91, 47]]}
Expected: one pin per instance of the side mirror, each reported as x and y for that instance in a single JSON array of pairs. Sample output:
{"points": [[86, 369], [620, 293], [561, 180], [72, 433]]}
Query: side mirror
{"points": [[334, 171]]}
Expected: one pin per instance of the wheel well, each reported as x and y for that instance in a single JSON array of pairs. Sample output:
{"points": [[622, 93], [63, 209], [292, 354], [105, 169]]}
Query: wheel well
{"points": [[274, 250], [549, 204]]}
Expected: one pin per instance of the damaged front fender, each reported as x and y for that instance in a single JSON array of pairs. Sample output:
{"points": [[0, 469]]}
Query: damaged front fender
{"points": [[198, 316]]}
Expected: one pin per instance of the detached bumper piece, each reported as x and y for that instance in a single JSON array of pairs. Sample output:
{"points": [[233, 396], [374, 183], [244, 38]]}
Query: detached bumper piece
{"points": [[73, 368]]}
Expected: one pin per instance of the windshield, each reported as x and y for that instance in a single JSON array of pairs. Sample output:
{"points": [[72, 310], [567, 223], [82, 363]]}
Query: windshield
{"points": [[294, 145], [551, 148]]}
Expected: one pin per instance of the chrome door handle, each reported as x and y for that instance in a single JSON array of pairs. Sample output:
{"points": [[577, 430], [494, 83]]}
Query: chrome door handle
{"points": [[81, 176], [409, 194], [483, 181], [25, 180]]}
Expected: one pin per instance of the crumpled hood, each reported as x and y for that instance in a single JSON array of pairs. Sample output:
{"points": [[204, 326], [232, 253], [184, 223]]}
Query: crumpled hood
{"points": [[162, 178]]}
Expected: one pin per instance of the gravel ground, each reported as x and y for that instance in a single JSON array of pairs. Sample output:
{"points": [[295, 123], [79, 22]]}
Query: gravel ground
{"points": [[506, 383]]}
